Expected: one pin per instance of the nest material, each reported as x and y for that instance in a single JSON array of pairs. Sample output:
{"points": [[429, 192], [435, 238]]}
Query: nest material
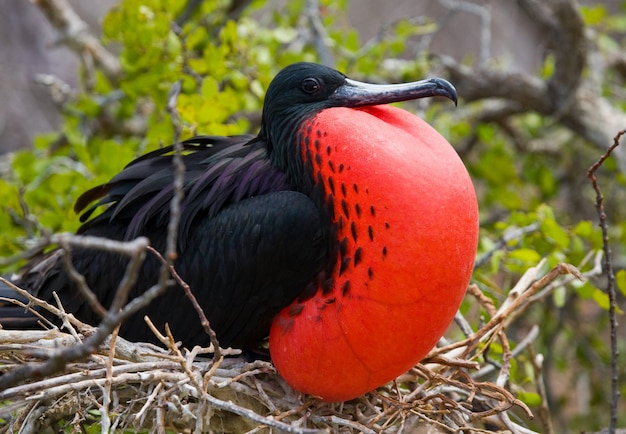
{"points": [[137, 386]]}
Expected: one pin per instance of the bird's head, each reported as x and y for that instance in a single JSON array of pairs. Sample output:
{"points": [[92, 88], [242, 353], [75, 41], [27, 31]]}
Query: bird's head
{"points": [[301, 90]]}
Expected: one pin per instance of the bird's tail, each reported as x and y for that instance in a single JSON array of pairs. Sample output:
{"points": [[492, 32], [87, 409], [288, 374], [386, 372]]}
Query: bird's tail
{"points": [[12, 315]]}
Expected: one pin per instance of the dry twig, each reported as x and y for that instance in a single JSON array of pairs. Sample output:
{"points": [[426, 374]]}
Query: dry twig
{"points": [[234, 396], [608, 269], [229, 388]]}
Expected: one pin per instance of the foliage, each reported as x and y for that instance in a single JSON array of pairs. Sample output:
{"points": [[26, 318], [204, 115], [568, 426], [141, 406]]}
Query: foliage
{"points": [[224, 66]]}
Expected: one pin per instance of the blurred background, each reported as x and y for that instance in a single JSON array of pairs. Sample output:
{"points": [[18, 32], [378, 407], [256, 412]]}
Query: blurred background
{"points": [[84, 87]]}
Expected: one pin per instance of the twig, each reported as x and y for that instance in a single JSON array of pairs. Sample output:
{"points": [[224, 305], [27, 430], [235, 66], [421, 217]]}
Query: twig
{"points": [[203, 319], [80, 281], [72, 378], [483, 12], [59, 359], [47, 306], [513, 427], [521, 346], [65, 317], [511, 308], [251, 415], [172, 100], [321, 40], [170, 255], [334, 420], [610, 288], [544, 410], [106, 388], [131, 274], [179, 176], [143, 412], [463, 324]]}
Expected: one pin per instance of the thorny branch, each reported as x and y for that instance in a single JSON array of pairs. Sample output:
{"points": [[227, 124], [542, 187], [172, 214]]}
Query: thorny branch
{"points": [[608, 269]]}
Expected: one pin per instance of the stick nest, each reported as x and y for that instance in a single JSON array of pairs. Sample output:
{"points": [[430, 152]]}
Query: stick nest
{"points": [[137, 386]]}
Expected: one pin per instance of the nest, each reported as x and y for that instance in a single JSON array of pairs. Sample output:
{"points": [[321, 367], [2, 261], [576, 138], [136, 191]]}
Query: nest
{"points": [[53, 380]]}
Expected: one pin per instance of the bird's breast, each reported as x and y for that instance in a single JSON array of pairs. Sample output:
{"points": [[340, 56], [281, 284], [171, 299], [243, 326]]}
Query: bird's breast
{"points": [[405, 217]]}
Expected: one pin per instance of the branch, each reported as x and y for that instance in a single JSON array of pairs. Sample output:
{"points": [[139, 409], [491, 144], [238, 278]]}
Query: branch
{"points": [[75, 33], [483, 12], [511, 234], [321, 40], [60, 358], [610, 289], [572, 98], [570, 52], [518, 299], [203, 319], [474, 85]]}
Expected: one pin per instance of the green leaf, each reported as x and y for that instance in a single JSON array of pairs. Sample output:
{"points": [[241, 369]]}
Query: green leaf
{"points": [[559, 296], [620, 281], [593, 15], [584, 289], [527, 256], [584, 228], [556, 233], [548, 66], [601, 298], [530, 398]]}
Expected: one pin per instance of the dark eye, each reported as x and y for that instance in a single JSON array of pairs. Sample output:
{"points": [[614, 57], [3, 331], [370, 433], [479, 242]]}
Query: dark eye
{"points": [[310, 85]]}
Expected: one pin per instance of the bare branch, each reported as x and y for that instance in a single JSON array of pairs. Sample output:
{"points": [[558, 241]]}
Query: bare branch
{"points": [[510, 234], [544, 411], [203, 319], [515, 304], [570, 52], [484, 13], [75, 33], [321, 40], [59, 359], [610, 289], [571, 98]]}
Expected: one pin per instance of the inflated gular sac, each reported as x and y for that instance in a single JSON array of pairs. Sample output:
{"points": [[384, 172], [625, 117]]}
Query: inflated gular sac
{"points": [[407, 219]]}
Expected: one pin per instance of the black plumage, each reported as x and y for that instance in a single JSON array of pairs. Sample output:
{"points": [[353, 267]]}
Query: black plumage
{"points": [[255, 229]]}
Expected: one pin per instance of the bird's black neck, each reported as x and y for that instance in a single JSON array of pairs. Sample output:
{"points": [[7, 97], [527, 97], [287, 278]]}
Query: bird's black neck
{"points": [[285, 141]]}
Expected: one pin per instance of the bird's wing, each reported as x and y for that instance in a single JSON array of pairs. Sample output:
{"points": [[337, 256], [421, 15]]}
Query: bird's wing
{"points": [[218, 171]]}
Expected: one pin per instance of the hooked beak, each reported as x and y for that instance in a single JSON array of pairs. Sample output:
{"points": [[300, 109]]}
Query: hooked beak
{"points": [[357, 94]]}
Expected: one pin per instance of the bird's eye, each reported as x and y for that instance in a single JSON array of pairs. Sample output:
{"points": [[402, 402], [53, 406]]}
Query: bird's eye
{"points": [[310, 85]]}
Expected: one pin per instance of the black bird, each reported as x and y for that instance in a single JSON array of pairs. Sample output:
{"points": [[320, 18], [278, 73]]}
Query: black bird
{"points": [[259, 227]]}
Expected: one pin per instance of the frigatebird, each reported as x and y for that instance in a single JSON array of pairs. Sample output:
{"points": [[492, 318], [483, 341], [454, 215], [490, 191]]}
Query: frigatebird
{"points": [[345, 230]]}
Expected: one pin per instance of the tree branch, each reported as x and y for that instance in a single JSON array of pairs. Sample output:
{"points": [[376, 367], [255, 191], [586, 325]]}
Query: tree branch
{"points": [[570, 97], [608, 269], [75, 33]]}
